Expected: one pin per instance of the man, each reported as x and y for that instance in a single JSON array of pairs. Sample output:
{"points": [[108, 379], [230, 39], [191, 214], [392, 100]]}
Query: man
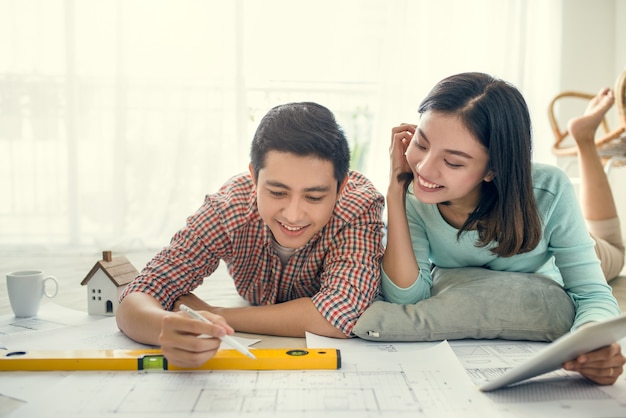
{"points": [[301, 236]]}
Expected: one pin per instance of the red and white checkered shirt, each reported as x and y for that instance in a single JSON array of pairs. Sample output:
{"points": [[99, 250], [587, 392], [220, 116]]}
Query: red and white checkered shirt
{"points": [[338, 269]]}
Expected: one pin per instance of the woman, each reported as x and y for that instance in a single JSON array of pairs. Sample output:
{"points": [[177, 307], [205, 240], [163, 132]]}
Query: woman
{"points": [[476, 199]]}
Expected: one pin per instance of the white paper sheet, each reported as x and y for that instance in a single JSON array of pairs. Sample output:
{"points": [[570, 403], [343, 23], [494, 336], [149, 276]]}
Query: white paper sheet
{"points": [[51, 316], [356, 345]]}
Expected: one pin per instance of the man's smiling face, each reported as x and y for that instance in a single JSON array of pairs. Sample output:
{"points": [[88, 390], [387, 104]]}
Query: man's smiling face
{"points": [[296, 196]]}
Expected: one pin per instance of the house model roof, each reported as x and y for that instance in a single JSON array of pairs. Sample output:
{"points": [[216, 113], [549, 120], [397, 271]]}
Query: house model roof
{"points": [[118, 269]]}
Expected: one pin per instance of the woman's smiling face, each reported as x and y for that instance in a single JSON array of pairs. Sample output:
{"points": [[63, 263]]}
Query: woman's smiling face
{"points": [[448, 162]]}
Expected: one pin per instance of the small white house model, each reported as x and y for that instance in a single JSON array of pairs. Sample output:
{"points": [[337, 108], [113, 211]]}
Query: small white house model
{"points": [[106, 282]]}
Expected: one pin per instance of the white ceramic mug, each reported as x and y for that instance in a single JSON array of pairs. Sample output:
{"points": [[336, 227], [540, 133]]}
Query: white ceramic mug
{"points": [[26, 288]]}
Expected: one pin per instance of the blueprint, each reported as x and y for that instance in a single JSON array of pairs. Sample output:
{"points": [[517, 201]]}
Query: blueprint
{"points": [[556, 394], [437, 379], [425, 383]]}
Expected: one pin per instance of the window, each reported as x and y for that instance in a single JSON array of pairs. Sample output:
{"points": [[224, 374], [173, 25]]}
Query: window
{"points": [[117, 117]]}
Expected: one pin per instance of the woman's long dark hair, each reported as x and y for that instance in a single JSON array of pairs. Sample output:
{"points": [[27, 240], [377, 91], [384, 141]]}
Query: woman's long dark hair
{"points": [[495, 113]]}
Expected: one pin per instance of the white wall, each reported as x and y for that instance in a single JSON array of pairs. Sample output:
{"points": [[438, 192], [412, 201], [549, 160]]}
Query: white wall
{"points": [[588, 34], [620, 35], [594, 53]]}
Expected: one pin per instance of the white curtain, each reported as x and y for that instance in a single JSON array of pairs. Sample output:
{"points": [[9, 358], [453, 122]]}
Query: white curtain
{"points": [[117, 117]]}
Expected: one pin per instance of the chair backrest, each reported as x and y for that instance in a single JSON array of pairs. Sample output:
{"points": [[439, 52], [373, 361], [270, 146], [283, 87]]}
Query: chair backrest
{"points": [[620, 98]]}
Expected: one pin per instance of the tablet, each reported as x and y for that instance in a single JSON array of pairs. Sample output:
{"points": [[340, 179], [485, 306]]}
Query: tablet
{"points": [[565, 348]]}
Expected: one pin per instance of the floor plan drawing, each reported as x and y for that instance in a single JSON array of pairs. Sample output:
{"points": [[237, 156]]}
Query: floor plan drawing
{"points": [[391, 383]]}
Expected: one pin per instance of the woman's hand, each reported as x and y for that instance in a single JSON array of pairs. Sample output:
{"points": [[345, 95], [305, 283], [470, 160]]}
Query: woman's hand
{"points": [[602, 366], [189, 342], [400, 139]]}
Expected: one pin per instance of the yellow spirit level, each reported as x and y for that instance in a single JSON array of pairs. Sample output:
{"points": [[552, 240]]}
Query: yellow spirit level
{"points": [[266, 359]]}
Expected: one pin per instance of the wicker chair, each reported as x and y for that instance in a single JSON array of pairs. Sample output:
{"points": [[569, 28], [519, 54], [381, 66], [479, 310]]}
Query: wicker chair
{"points": [[611, 144]]}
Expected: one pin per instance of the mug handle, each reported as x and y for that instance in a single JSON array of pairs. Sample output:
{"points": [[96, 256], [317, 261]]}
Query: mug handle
{"points": [[56, 286]]}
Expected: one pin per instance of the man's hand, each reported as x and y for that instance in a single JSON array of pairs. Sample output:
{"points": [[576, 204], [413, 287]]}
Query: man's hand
{"points": [[188, 342], [185, 341]]}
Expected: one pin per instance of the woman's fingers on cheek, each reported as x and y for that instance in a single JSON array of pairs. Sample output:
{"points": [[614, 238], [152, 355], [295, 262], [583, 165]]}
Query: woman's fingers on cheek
{"points": [[401, 136], [404, 129], [397, 130]]}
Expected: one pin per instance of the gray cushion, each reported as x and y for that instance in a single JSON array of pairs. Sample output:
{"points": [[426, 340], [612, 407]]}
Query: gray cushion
{"points": [[474, 303]]}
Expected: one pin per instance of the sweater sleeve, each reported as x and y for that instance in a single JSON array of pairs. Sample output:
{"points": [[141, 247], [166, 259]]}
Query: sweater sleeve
{"points": [[575, 256]]}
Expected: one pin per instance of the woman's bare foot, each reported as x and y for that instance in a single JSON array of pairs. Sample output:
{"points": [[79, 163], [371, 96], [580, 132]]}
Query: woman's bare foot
{"points": [[583, 128]]}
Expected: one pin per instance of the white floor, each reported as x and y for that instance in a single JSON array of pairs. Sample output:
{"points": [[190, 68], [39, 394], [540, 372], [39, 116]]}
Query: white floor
{"points": [[71, 266]]}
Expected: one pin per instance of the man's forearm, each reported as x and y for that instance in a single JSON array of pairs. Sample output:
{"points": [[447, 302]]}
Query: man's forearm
{"points": [[288, 319], [139, 317]]}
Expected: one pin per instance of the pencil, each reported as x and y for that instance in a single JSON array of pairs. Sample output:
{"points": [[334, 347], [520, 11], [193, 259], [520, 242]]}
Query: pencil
{"points": [[226, 339]]}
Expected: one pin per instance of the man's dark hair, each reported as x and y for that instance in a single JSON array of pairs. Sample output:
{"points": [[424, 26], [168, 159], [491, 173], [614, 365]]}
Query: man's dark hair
{"points": [[304, 129]]}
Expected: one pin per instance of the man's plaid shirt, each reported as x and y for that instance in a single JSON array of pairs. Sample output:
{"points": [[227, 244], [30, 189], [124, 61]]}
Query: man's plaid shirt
{"points": [[339, 269]]}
